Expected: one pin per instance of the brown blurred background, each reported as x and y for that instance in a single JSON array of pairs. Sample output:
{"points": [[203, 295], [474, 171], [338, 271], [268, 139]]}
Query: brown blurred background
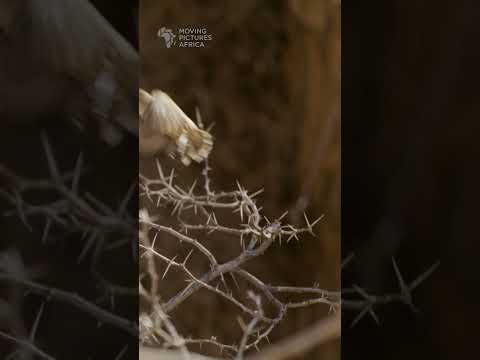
{"points": [[270, 81]]}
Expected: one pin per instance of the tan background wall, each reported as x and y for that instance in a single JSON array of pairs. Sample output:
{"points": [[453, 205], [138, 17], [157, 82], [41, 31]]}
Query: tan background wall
{"points": [[270, 81]]}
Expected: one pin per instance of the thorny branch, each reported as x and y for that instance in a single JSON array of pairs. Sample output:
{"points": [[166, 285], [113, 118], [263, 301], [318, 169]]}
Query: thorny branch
{"points": [[70, 210], [255, 235], [65, 208]]}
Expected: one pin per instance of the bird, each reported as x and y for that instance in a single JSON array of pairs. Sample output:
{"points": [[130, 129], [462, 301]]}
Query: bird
{"points": [[63, 59], [165, 127]]}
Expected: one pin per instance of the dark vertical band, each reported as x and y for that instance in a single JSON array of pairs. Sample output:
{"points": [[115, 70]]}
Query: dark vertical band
{"points": [[68, 199], [409, 164]]}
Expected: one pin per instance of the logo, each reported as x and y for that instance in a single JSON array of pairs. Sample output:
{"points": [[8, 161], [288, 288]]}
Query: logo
{"points": [[168, 36], [185, 37]]}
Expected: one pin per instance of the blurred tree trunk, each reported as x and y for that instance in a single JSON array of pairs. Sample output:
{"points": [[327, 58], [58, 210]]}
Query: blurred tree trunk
{"points": [[313, 66]]}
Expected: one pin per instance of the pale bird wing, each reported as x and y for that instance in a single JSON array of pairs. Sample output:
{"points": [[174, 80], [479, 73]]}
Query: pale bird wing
{"points": [[144, 98], [161, 115], [165, 116], [75, 39]]}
